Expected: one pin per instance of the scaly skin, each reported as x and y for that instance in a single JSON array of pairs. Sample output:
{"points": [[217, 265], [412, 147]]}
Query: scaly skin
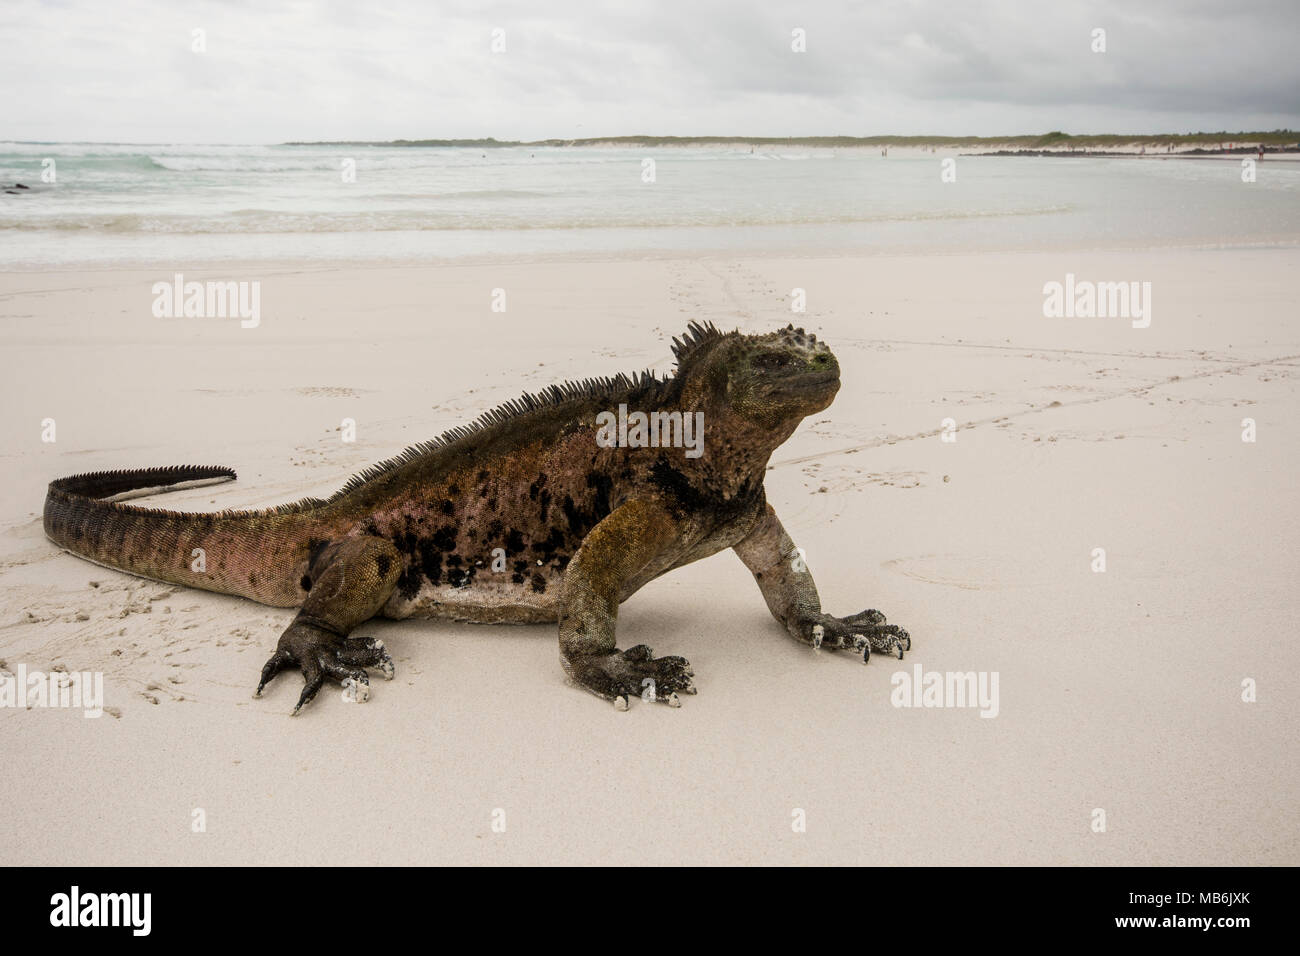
{"points": [[523, 517]]}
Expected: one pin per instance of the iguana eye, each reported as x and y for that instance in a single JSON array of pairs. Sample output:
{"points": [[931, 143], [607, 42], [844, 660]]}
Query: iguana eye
{"points": [[771, 360]]}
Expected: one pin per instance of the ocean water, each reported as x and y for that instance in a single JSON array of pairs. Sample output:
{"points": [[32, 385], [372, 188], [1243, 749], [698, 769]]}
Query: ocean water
{"points": [[171, 204]]}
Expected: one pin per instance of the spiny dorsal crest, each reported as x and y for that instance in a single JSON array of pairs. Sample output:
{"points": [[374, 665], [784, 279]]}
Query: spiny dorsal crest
{"points": [[685, 350], [698, 334]]}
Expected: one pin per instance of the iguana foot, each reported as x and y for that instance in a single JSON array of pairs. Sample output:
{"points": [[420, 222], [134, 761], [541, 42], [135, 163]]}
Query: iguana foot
{"points": [[322, 654], [368, 652], [635, 672], [864, 632]]}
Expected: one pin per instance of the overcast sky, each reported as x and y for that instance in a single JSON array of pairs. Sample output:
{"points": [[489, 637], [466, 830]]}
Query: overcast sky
{"points": [[125, 71]]}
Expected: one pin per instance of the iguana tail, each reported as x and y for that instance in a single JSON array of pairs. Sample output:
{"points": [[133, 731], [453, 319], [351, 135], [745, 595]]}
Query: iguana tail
{"points": [[253, 554]]}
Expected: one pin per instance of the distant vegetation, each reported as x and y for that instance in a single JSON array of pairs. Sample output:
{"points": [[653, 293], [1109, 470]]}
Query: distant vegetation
{"points": [[1053, 140]]}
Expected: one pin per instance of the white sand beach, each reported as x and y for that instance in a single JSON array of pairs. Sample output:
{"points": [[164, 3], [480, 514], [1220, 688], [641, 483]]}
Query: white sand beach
{"points": [[1120, 691]]}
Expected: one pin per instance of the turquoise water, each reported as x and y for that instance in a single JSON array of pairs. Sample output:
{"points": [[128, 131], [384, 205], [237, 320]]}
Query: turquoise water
{"points": [[143, 203]]}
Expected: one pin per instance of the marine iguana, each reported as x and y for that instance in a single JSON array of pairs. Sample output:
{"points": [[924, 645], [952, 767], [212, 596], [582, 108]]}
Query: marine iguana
{"points": [[533, 513]]}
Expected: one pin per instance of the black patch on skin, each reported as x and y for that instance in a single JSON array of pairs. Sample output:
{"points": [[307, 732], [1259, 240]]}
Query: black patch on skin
{"points": [[483, 475], [430, 562], [535, 491], [514, 542], [582, 521], [454, 561], [554, 542], [305, 583], [682, 496], [444, 539], [603, 486], [494, 531], [517, 578], [408, 583], [422, 559], [252, 579], [448, 508], [492, 504], [521, 567], [676, 485], [454, 491], [571, 512], [315, 546], [538, 583], [383, 562]]}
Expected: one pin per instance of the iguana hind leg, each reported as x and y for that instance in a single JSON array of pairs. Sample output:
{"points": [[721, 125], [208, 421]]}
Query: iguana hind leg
{"points": [[350, 581], [619, 547]]}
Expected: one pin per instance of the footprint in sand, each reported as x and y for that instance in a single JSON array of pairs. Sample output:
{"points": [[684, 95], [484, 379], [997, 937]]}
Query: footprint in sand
{"points": [[328, 391], [974, 572]]}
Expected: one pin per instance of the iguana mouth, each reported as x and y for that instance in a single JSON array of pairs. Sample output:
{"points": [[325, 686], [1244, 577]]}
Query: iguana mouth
{"points": [[808, 384]]}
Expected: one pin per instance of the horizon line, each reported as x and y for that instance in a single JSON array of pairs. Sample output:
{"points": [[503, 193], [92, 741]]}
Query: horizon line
{"points": [[1035, 139]]}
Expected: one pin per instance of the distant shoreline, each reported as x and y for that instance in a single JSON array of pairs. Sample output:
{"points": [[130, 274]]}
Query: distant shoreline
{"points": [[1048, 144]]}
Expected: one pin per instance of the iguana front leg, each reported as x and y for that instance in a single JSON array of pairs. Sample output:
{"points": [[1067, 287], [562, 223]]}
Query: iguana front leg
{"points": [[614, 551], [349, 582], [787, 586]]}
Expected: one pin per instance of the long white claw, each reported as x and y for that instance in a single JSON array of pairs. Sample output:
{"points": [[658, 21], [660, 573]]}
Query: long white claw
{"points": [[620, 702], [385, 659], [355, 692], [818, 635]]}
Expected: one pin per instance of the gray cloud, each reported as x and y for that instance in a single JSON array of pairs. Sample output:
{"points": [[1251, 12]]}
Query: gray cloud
{"points": [[80, 69]]}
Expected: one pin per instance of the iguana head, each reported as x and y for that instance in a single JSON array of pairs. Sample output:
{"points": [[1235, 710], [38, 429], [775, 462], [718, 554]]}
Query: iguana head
{"points": [[782, 376], [770, 380]]}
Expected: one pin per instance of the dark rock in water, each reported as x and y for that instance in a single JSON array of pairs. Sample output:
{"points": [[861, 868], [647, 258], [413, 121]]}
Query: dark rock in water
{"points": [[20, 186]]}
